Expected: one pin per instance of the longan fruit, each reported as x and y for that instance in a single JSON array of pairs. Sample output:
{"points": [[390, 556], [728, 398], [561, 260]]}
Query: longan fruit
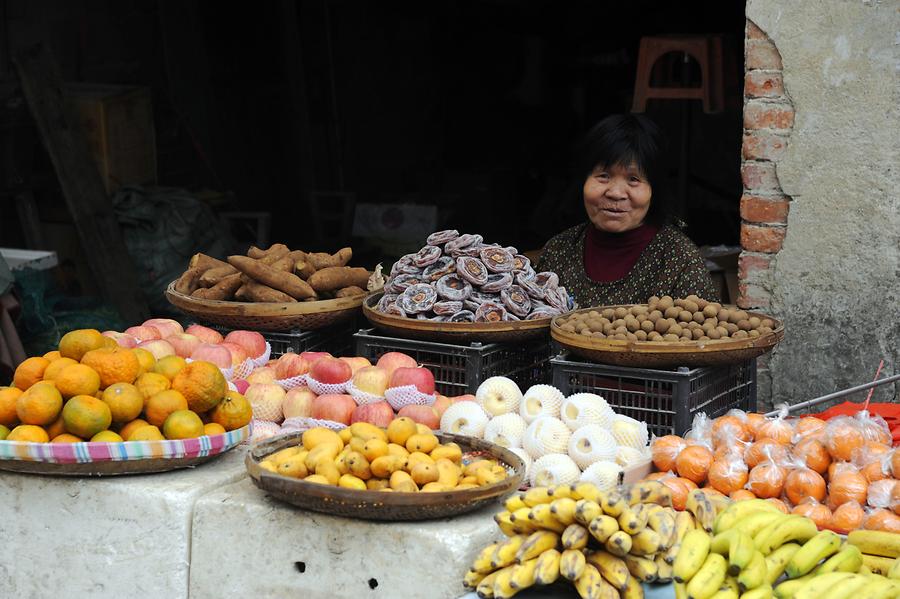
{"points": [[620, 337], [675, 329], [740, 335], [661, 325], [693, 298], [679, 303], [619, 322], [608, 314], [714, 334], [724, 314], [723, 331], [712, 321], [685, 316], [698, 333], [710, 310], [621, 330], [654, 336], [632, 325], [764, 330], [701, 303], [586, 331], [738, 316], [670, 337], [654, 316], [595, 325], [641, 335], [653, 299], [631, 336], [672, 312], [647, 326], [593, 314], [768, 323], [753, 333], [569, 328], [665, 302], [731, 327], [597, 334], [686, 335], [698, 317], [638, 310], [704, 338], [744, 325], [621, 312], [608, 329], [755, 322], [691, 306], [693, 325]]}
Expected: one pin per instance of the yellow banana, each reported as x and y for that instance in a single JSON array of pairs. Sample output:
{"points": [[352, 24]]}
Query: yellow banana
{"points": [[619, 543], [614, 504], [611, 568], [777, 561], [645, 543], [523, 575], [589, 584], [485, 588], [575, 536], [514, 502], [877, 564], [876, 542], [755, 522], [641, 568], [547, 567], [586, 510], [563, 510], [761, 592], [482, 563], [740, 510], [881, 588], [536, 495], [632, 590], [684, 522], [699, 505], [649, 491], [823, 545], [728, 590], [680, 590], [719, 502], [536, 544], [709, 578], [663, 523], [542, 518], [663, 569], [520, 514], [826, 585], [472, 578], [502, 584], [794, 528], [571, 564], [754, 574], [632, 521], [510, 528], [692, 556], [505, 553], [788, 588], [589, 491], [721, 543], [740, 552], [848, 559], [602, 527], [894, 572]]}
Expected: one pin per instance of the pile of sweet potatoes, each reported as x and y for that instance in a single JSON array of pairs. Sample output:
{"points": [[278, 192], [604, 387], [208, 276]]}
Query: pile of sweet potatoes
{"points": [[273, 275]]}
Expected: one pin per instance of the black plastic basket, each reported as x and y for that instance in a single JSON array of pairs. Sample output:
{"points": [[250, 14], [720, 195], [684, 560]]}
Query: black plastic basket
{"points": [[666, 400], [337, 340], [460, 369]]}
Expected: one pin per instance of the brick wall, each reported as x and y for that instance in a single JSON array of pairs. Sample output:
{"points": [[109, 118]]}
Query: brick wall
{"points": [[768, 120]]}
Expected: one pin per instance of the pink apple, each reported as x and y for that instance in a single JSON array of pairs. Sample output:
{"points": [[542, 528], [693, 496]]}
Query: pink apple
{"points": [[238, 353], [251, 341], [290, 365], [426, 415], [204, 334], [372, 379], [185, 344], [218, 355], [331, 371], [241, 385], [392, 360], [442, 403], [160, 348], [356, 363], [262, 375], [123, 339], [144, 333], [420, 377], [166, 326], [337, 408], [267, 401], [314, 356], [298, 403], [380, 414]]}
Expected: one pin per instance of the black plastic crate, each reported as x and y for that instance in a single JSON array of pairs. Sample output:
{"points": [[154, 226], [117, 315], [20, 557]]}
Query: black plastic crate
{"points": [[666, 400], [337, 340], [460, 369]]}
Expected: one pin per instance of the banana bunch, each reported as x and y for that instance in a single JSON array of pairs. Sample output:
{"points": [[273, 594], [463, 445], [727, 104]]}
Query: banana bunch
{"points": [[880, 551], [605, 543]]}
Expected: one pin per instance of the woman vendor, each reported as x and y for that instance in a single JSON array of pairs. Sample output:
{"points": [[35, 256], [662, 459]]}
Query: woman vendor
{"points": [[630, 249]]}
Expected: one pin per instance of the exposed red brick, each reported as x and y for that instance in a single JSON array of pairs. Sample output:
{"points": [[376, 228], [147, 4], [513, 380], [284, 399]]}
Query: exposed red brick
{"points": [[766, 115], [760, 84], [754, 32], [759, 176], [762, 145], [755, 209], [767, 240], [762, 54], [751, 296], [750, 265]]}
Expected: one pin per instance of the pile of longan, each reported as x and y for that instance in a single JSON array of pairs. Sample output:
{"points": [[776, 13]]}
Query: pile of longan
{"points": [[667, 319]]}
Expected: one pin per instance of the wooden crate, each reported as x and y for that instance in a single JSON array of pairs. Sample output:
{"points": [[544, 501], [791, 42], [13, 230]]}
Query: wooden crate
{"points": [[118, 123]]}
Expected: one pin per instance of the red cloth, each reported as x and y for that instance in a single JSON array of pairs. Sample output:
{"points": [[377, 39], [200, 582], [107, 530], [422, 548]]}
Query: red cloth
{"points": [[610, 256], [889, 411]]}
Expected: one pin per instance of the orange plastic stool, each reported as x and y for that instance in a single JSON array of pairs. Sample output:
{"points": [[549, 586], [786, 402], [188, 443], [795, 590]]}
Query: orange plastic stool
{"points": [[705, 49]]}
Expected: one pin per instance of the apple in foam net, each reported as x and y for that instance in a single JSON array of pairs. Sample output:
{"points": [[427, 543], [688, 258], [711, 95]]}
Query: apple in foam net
{"points": [[290, 365], [356, 363], [204, 334], [426, 415], [379, 413], [185, 344], [298, 403], [262, 375], [241, 385], [393, 360], [218, 355], [252, 342], [166, 326], [372, 379], [144, 333], [123, 339], [160, 348], [337, 408], [331, 371], [314, 356], [238, 353], [421, 378]]}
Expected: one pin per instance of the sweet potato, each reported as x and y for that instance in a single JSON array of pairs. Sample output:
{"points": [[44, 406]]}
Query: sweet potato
{"points": [[338, 277], [257, 292], [189, 281], [350, 291], [257, 253], [214, 275], [282, 281], [303, 269], [274, 255], [204, 262], [223, 290], [320, 260], [284, 264]]}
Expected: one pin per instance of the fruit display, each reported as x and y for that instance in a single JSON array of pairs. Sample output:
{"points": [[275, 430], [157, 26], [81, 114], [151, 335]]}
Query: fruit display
{"points": [[842, 473], [404, 457], [605, 544], [561, 439], [669, 320], [92, 389], [275, 275], [458, 278]]}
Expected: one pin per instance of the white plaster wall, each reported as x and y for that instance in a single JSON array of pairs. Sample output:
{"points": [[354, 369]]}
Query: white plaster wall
{"points": [[836, 282]]}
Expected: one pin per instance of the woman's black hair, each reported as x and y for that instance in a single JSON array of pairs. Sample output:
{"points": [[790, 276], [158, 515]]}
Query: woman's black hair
{"points": [[623, 140]]}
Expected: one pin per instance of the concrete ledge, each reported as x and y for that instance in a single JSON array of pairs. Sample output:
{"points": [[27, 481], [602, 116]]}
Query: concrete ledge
{"points": [[118, 536], [252, 545]]}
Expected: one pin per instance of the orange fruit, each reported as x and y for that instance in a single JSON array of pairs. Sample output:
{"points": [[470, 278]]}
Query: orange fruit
{"points": [[132, 426], [52, 355], [213, 428], [680, 487], [66, 438], [847, 517], [146, 359], [803, 484], [766, 480], [109, 342], [202, 384], [183, 424], [151, 383], [727, 429], [809, 425], [146, 433], [57, 428], [664, 450], [814, 454], [107, 437], [782, 506], [85, 416], [125, 401], [742, 495], [75, 344], [874, 471], [847, 485], [39, 405], [815, 511], [693, 463], [728, 475], [778, 429], [29, 433], [8, 397], [56, 366], [169, 366], [754, 421], [29, 372], [765, 450], [77, 379], [895, 499], [233, 412], [160, 405], [843, 440], [114, 365]]}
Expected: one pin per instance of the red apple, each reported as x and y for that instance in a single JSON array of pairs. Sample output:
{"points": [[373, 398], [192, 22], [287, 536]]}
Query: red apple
{"points": [[372, 379], [160, 348], [331, 371], [123, 339], [298, 403], [241, 385], [166, 326], [251, 341], [356, 363], [426, 415], [441, 404], [262, 375], [393, 360], [421, 378], [185, 344], [314, 356], [337, 408], [144, 333], [204, 334], [380, 414], [238, 353], [290, 365], [218, 355]]}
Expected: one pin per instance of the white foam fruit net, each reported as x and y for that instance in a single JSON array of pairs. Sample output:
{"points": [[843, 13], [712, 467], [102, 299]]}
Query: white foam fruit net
{"points": [[408, 395], [293, 383], [300, 424], [325, 388], [361, 397], [243, 370]]}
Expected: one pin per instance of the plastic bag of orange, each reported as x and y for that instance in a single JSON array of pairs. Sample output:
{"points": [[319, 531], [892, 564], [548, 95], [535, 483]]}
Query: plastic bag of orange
{"points": [[889, 412]]}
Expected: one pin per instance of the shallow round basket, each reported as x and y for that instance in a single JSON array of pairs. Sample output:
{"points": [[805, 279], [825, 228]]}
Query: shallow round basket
{"points": [[665, 354], [453, 332], [266, 316], [376, 505], [112, 459]]}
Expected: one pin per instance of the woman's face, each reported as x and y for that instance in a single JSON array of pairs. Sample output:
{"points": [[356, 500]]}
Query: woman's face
{"points": [[616, 198]]}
